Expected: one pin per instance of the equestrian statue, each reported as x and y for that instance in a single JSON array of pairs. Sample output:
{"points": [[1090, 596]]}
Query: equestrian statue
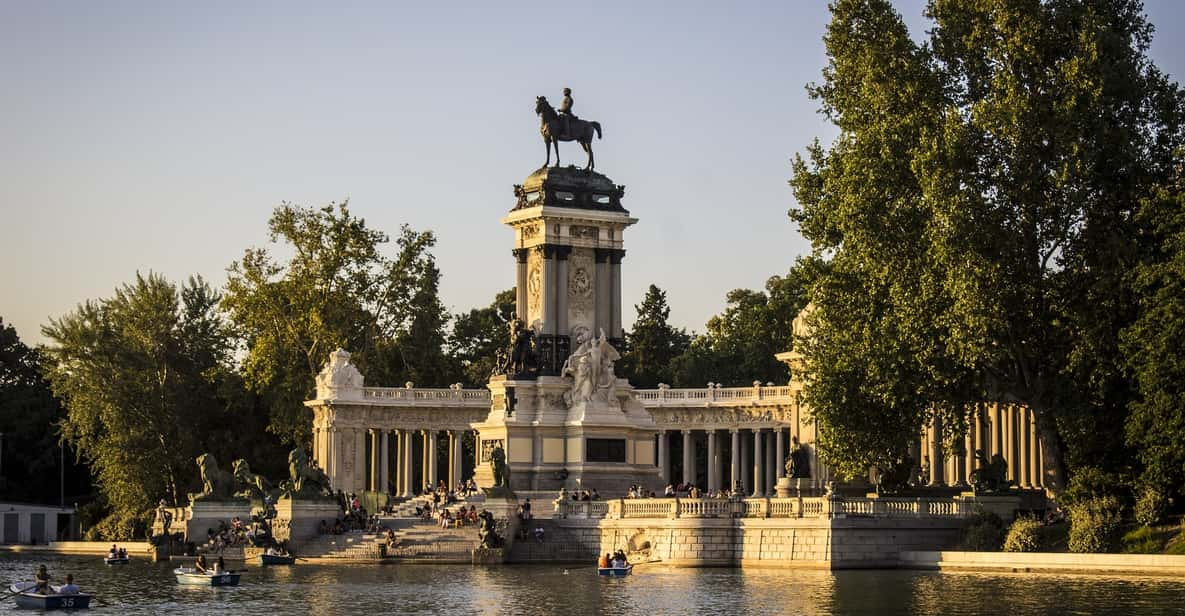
{"points": [[565, 126]]}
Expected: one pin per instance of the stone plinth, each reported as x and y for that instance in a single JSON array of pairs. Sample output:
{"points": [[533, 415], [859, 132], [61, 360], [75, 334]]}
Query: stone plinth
{"points": [[207, 514], [298, 520], [489, 556]]}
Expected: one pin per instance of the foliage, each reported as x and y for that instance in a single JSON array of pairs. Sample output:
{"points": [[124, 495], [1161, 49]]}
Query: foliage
{"points": [[985, 533], [29, 415], [1146, 540], [653, 343], [478, 335], [740, 344], [1094, 524], [1090, 482], [337, 290], [1152, 345], [146, 380], [120, 527], [977, 212], [1024, 535], [1151, 506]]}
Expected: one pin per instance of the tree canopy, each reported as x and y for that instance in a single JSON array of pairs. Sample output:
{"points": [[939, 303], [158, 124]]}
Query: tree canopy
{"points": [[978, 205], [653, 343]]}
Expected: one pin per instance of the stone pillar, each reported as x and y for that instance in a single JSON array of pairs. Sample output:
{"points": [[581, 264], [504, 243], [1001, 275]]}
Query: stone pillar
{"points": [[937, 460], [664, 457], [735, 470], [995, 432], [713, 478], [961, 468], [405, 450], [548, 292], [561, 285], [450, 472], [330, 465], [384, 462], [397, 452], [1026, 448], [746, 458], [758, 464], [601, 282], [433, 457], [780, 458], [520, 286], [615, 258], [1035, 445], [688, 458], [359, 479], [1013, 454]]}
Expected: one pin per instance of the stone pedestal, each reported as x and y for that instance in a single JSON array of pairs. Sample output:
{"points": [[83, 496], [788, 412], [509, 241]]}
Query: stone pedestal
{"points": [[489, 556], [298, 520], [206, 514], [785, 487]]}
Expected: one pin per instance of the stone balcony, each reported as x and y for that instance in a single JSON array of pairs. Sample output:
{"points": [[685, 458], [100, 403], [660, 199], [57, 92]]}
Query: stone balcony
{"points": [[663, 397], [805, 507]]}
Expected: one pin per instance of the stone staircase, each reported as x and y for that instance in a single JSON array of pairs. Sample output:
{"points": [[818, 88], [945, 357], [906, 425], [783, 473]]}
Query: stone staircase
{"points": [[427, 541], [355, 545]]}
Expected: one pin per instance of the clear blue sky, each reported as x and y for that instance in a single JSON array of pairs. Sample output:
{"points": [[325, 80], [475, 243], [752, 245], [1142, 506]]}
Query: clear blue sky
{"points": [[159, 136]]}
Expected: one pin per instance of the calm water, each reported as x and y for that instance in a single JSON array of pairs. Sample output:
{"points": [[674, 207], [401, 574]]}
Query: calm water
{"points": [[147, 588]]}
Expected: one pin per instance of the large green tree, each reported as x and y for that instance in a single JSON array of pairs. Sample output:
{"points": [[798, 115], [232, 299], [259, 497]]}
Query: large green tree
{"points": [[740, 344], [147, 382], [980, 194], [1153, 344], [30, 455], [337, 289], [653, 343], [479, 335]]}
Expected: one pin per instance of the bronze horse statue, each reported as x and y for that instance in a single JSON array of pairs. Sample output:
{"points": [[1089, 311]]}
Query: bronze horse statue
{"points": [[552, 128]]}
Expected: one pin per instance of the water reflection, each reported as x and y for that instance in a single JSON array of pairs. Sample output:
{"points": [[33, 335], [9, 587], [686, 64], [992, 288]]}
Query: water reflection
{"points": [[146, 588]]}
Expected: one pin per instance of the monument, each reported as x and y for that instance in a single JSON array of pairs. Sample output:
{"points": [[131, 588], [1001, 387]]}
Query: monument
{"points": [[216, 503], [305, 500], [559, 412]]}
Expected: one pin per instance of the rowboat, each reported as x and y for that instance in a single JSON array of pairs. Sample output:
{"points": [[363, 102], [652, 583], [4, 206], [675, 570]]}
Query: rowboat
{"points": [[118, 560], [27, 598], [276, 559], [615, 571], [186, 575]]}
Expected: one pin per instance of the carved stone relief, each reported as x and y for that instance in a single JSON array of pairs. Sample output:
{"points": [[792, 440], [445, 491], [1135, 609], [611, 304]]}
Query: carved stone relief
{"points": [[535, 289], [583, 232], [530, 231], [581, 289]]}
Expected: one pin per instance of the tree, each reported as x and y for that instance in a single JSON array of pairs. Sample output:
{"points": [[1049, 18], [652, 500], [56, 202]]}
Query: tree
{"points": [[1152, 345], [740, 344], [982, 188], [336, 291], [29, 416], [146, 380], [479, 335], [653, 343]]}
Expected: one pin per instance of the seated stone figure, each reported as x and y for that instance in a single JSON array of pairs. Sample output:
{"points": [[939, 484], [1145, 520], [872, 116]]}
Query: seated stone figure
{"points": [[992, 476], [217, 484]]}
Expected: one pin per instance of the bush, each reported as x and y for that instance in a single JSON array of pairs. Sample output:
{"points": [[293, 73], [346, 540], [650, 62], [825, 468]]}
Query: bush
{"points": [[1089, 483], [1024, 535], [1094, 524], [1143, 540], [1151, 506], [120, 527], [985, 534]]}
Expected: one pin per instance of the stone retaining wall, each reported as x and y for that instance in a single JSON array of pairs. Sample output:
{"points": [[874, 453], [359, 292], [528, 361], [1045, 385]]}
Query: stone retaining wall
{"points": [[1161, 564]]}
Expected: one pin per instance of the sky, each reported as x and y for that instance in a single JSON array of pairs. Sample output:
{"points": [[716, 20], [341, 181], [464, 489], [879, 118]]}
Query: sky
{"points": [[159, 136]]}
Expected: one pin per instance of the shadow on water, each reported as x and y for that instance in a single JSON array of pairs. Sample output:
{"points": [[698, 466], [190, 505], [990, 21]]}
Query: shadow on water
{"points": [[148, 588]]}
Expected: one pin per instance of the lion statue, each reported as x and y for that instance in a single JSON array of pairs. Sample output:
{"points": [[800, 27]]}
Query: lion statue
{"points": [[305, 480], [250, 485], [217, 484]]}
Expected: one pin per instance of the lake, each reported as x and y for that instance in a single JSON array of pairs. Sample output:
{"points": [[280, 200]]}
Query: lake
{"points": [[149, 588]]}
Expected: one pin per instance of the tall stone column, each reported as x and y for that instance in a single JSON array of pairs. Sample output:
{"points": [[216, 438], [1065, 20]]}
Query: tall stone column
{"points": [[995, 432], [408, 468], [937, 459], [561, 285], [1013, 453], [688, 458], [604, 317], [713, 478], [1035, 440], [520, 286], [450, 473], [735, 468], [1026, 448], [615, 258], [758, 464], [548, 291], [780, 459], [384, 462], [433, 458], [746, 459], [397, 453], [960, 469], [330, 465], [359, 479], [664, 457]]}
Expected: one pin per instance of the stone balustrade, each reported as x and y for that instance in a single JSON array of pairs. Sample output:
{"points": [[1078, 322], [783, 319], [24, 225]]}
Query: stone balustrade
{"points": [[805, 507], [662, 397]]}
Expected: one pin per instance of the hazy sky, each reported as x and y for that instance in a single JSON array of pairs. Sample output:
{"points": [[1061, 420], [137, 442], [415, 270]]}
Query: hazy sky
{"points": [[159, 136]]}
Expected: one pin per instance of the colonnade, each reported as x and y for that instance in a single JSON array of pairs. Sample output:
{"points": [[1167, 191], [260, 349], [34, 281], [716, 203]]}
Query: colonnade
{"points": [[400, 462], [1006, 429], [750, 460]]}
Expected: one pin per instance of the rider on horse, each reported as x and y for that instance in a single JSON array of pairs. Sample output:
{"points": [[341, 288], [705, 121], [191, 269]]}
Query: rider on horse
{"points": [[565, 111]]}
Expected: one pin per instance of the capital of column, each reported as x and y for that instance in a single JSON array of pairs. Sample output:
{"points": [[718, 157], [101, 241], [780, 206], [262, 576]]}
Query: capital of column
{"points": [[520, 254]]}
